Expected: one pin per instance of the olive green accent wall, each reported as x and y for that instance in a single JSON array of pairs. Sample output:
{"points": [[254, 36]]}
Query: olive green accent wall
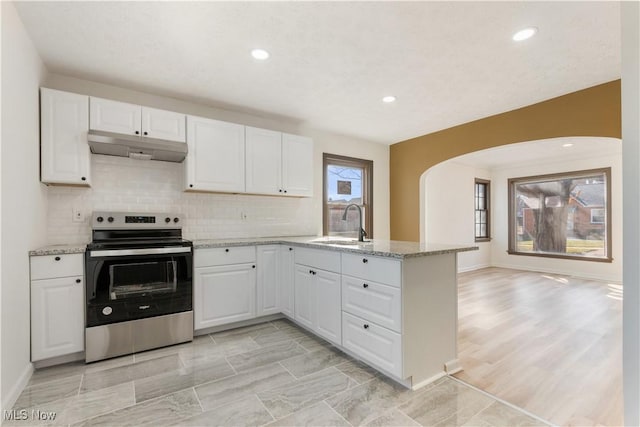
{"points": [[594, 111]]}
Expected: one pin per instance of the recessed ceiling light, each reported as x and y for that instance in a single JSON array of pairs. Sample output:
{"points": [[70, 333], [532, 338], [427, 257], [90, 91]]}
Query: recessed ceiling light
{"points": [[525, 34], [389, 99], [260, 54], [567, 145]]}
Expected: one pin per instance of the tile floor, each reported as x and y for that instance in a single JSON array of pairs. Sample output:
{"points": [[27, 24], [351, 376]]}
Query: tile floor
{"points": [[272, 374]]}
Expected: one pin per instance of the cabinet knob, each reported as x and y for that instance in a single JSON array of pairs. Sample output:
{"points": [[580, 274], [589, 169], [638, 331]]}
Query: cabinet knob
{"points": [[280, 190], [365, 285], [137, 132], [146, 133], [364, 260], [285, 191], [366, 326], [226, 250], [253, 266], [290, 249], [190, 185], [84, 178], [57, 258], [78, 280]]}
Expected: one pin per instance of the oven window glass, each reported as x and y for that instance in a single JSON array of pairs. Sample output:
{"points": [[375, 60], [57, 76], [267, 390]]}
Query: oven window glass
{"points": [[144, 278]]}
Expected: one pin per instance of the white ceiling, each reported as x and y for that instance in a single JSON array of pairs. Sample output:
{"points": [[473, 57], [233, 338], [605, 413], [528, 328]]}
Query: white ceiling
{"points": [[331, 62], [541, 151]]}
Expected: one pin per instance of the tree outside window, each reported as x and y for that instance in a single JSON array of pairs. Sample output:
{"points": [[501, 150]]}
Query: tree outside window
{"points": [[561, 215]]}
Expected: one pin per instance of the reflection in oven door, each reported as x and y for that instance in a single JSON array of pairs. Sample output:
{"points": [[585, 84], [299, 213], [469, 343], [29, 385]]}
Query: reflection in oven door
{"points": [[142, 278]]}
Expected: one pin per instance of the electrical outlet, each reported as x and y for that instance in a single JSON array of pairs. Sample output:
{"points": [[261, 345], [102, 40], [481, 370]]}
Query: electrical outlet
{"points": [[78, 215]]}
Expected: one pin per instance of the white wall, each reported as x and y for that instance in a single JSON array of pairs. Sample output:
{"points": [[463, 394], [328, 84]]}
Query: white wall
{"points": [[596, 270], [126, 184], [23, 197], [631, 149], [449, 211]]}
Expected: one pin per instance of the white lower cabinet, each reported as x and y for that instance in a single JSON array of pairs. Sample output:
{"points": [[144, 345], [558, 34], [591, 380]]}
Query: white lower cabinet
{"points": [[224, 294], [375, 344], [317, 299], [224, 285], [268, 280], [57, 306], [373, 301], [286, 292]]}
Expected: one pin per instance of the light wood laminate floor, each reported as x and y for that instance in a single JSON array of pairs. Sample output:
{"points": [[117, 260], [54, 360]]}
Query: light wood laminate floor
{"points": [[272, 374], [547, 343]]}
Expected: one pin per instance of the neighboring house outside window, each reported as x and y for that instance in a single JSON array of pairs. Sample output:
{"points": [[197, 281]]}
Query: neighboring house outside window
{"points": [[482, 217], [561, 215]]}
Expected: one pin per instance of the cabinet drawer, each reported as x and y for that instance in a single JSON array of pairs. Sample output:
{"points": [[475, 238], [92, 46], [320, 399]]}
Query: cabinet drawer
{"points": [[373, 343], [224, 256], [381, 270], [372, 301], [318, 258], [51, 266]]}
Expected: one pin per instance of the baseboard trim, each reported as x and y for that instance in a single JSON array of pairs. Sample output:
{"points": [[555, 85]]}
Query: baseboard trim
{"points": [[473, 268], [59, 360], [239, 324], [11, 398], [555, 271], [428, 381], [453, 367]]}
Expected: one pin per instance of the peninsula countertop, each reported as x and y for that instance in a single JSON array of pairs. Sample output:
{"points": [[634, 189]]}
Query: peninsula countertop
{"points": [[376, 247]]}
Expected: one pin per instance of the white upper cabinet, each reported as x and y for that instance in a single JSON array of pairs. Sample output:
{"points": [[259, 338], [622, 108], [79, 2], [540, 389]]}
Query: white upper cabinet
{"points": [[264, 161], [131, 119], [65, 156], [278, 164], [114, 116], [215, 161], [297, 165], [163, 124]]}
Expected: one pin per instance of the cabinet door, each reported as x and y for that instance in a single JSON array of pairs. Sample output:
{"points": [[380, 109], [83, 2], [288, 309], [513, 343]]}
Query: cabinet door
{"points": [[224, 294], [65, 156], [57, 317], [113, 116], [287, 275], [164, 124], [304, 296], [297, 165], [215, 161], [268, 280], [327, 306], [263, 161]]}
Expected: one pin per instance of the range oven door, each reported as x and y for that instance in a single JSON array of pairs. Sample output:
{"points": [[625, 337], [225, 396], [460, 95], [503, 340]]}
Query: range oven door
{"points": [[131, 284]]}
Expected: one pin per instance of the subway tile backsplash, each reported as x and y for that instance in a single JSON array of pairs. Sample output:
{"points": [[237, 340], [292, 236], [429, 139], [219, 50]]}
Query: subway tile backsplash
{"points": [[121, 184]]}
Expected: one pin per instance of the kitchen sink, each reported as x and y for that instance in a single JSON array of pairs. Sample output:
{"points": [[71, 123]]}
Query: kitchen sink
{"points": [[342, 242]]}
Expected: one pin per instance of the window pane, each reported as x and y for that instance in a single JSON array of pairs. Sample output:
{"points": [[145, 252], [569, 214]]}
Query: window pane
{"points": [[344, 184], [564, 215]]}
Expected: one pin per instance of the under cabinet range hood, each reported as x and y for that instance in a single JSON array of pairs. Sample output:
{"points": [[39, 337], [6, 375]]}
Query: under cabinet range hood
{"points": [[136, 147]]}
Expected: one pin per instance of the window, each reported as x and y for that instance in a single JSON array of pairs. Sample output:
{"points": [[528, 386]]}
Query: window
{"points": [[482, 210], [347, 180], [561, 215]]}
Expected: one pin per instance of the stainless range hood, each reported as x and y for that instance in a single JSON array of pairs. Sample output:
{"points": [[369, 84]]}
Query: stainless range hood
{"points": [[115, 144]]}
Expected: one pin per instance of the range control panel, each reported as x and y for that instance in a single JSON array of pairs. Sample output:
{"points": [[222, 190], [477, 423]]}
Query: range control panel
{"points": [[134, 220]]}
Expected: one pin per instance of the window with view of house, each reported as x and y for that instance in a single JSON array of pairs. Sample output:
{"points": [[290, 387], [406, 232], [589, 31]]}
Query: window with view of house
{"points": [[561, 215], [347, 180], [482, 210]]}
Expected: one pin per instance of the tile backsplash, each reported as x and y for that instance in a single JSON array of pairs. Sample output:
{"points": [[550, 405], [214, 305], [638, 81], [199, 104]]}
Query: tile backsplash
{"points": [[122, 184]]}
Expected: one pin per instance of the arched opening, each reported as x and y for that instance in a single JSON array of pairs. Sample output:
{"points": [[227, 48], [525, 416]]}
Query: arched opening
{"points": [[527, 313]]}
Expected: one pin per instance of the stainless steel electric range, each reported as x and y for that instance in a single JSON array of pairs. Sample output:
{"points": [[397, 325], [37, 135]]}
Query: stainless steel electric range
{"points": [[139, 284]]}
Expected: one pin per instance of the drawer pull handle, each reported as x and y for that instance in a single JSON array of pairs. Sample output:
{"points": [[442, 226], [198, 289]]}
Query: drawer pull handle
{"points": [[57, 258], [366, 326], [226, 250], [312, 272], [365, 285], [290, 249], [78, 280], [364, 260]]}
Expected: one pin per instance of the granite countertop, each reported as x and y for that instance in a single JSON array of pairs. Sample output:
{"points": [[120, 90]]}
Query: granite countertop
{"points": [[385, 248], [59, 250]]}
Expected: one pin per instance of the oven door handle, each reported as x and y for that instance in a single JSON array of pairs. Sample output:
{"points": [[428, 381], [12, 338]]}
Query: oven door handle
{"points": [[147, 251]]}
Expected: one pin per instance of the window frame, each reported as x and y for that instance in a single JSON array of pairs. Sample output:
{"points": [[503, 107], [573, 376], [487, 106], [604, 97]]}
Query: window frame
{"points": [[367, 189], [556, 176], [487, 197]]}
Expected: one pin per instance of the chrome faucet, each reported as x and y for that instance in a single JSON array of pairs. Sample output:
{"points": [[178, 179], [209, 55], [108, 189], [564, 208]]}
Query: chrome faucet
{"points": [[361, 232]]}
